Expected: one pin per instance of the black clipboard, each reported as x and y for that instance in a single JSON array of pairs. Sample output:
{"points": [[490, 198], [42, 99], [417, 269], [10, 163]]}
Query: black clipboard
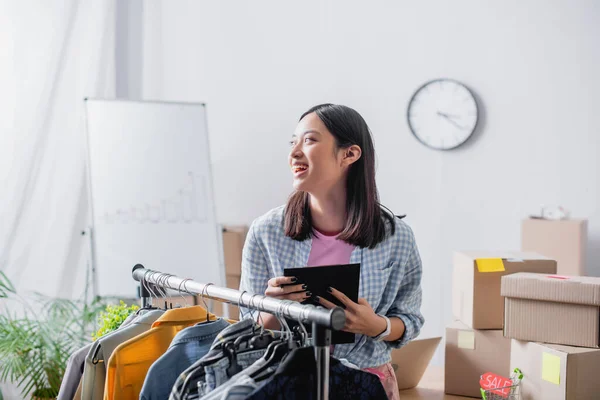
{"points": [[344, 277]]}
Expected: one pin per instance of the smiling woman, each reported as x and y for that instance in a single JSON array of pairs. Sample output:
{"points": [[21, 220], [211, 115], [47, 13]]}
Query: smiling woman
{"points": [[334, 217]]}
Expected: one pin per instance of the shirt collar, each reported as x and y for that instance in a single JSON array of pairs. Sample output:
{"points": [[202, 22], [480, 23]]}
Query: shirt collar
{"points": [[148, 318], [183, 315], [199, 331]]}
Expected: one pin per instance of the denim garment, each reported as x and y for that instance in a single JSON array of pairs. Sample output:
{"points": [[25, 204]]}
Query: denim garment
{"points": [[242, 389], [187, 347], [187, 381], [216, 374], [222, 391]]}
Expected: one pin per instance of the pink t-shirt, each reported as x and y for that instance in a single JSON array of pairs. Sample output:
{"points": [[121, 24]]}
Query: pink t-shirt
{"points": [[328, 250]]}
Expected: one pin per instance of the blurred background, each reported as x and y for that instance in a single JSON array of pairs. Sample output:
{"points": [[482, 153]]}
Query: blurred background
{"points": [[257, 66]]}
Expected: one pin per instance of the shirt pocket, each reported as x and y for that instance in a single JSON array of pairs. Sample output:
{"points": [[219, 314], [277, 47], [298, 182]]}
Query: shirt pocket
{"points": [[374, 281], [383, 274], [389, 265]]}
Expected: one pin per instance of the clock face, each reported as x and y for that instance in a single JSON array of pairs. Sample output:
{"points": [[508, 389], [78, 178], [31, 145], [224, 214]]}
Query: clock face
{"points": [[442, 114]]}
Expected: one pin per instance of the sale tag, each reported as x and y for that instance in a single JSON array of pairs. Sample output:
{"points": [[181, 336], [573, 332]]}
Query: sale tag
{"points": [[496, 384]]}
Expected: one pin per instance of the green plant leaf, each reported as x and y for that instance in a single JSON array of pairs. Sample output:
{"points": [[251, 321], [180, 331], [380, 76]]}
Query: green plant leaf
{"points": [[6, 285], [112, 317], [35, 346]]}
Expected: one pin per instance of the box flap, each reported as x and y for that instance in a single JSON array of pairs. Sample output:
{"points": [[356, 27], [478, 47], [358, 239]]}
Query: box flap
{"points": [[410, 361], [568, 349], [456, 324], [562, 289]]}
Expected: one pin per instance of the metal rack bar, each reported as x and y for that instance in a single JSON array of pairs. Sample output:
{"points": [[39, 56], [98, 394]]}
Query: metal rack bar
{"points": [[323, 320]]}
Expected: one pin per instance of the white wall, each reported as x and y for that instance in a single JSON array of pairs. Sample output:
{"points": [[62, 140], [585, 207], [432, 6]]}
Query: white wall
{"points": [[534, 67]]}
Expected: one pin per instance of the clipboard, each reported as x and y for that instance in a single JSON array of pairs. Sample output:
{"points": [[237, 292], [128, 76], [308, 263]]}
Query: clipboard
{"points": [[343, 277]]}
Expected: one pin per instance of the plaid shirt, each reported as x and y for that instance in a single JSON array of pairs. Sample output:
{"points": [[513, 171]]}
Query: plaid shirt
{"points": [[390, 279]]}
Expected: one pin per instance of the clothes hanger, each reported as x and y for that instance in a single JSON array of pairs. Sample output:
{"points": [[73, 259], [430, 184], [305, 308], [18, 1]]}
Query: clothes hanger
{"points": [[165, 281], [161, 282], [254, 341], [278, 350], [230, 347], [182, 283], [264, 339], [205, 288], [303, 332], [148, 286], [244, 339]]}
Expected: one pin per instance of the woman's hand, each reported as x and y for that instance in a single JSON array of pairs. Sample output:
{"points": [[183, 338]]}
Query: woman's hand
{"points": [[282, 287], [360, 317]]}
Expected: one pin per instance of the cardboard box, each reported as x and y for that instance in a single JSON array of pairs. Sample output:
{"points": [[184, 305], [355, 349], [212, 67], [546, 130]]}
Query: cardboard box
{"points": [[234, 238], [220, 308], [476, 284], [552, 309], [556, 372], [471, 353], [233, 282], [411, 360], [564, 241]]}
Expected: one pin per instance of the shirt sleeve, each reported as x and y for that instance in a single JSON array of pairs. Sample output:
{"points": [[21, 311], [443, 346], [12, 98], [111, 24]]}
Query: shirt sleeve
{"points": [[407, 304], [255, 269]]}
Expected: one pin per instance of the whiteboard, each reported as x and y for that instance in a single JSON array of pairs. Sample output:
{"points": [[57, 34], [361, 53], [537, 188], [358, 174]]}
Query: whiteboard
{"points": [[151, 193]]}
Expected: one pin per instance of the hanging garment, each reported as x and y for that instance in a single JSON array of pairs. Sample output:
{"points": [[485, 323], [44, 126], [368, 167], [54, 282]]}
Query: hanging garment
{"points": [[242, 388], [130, 361], [241, 378], [75, 366], [216, 374], [73, 373], [77, 395], [188, 380], [252, 362], [94, 373], [296, 379], [188, 346]]}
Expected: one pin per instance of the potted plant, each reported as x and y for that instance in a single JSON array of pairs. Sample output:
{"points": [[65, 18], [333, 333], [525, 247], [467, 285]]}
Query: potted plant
{"points": [[38, 337]]}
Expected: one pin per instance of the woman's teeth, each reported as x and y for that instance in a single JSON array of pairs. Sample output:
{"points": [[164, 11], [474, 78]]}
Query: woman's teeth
{"points": [[299, 168]]}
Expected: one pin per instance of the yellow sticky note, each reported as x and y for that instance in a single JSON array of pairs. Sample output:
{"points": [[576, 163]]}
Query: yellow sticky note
{"points": [[489, 264], [466, 340], [551, 368]]}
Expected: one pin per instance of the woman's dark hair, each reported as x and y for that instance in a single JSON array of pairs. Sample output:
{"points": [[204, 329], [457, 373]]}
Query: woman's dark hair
{"points": [[365, 222]]}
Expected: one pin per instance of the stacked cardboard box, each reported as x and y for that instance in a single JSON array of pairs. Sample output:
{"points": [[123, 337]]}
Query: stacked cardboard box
{"points": [[562, 240], [234, 238], [559, 312], [475, 343]]}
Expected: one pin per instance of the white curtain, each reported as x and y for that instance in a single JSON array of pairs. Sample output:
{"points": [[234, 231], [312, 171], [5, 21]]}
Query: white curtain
{"points": [[54, 54]]}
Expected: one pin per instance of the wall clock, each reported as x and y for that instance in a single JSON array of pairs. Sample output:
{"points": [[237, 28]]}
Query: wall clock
{"points": [[442, 114]]}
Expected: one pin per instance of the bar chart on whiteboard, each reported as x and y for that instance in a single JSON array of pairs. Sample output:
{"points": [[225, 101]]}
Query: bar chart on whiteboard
{"points": [[187, 206], [150, 193]]}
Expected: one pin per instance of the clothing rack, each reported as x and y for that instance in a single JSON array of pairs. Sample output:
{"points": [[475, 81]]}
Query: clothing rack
{"points": [[323, 320]]}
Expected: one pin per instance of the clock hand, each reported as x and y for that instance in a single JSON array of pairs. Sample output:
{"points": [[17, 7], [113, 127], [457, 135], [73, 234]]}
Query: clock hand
{"points": [[455, 124], [451, 120], [448, 115]]}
